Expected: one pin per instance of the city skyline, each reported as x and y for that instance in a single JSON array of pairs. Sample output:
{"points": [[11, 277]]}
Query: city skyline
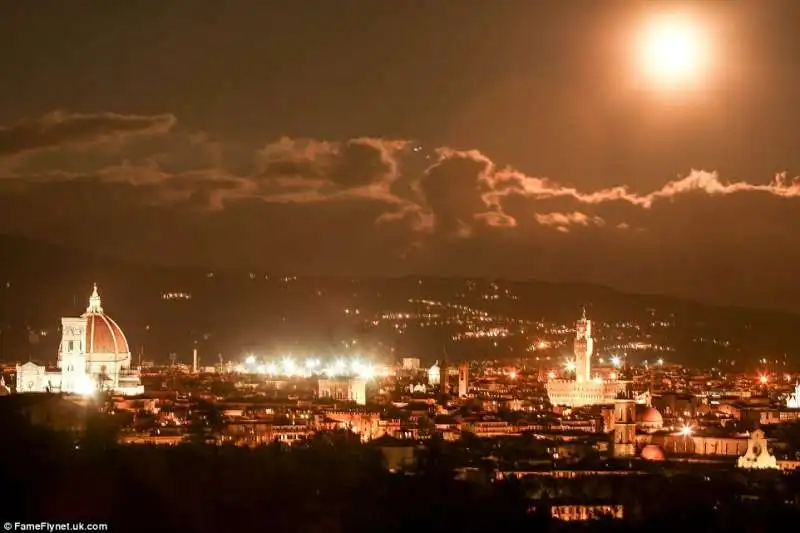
{"points": [[527, 146]]}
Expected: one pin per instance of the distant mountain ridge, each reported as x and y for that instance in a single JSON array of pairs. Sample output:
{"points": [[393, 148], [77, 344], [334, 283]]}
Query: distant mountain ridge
{"points": [[40, 282], [25, 260]]}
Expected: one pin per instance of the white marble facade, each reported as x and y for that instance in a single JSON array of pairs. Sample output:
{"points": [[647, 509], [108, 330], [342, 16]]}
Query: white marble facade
{"points": [[93, 354], [757, 455]]}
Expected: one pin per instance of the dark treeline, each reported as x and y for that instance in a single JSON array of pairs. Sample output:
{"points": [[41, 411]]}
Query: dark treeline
{"points": [[333, 483]]}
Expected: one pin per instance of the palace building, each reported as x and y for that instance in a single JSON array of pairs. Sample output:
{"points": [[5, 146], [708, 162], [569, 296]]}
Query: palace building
{"points": [[93, 355], [584, 389]]}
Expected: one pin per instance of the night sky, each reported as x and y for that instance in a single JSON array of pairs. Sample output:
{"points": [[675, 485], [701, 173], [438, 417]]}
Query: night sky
{"points": [[502, 138]]}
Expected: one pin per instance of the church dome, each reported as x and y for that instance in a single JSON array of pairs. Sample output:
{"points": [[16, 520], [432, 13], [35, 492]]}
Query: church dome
{"points": [[652, 452], [103, 335], [650, 416]]}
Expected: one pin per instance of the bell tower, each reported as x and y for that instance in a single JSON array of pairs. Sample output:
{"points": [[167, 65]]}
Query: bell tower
{"points": [[463, 379], [73, 340], [72, 354], [624, 444]]}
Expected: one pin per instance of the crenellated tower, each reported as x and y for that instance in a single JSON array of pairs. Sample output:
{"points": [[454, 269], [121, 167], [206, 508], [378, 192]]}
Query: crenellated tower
{"points": [[583, 348]]}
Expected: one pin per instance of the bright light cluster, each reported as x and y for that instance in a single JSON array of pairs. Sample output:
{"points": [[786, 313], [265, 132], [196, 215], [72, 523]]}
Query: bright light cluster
{"points": [[674, 49], [85, 385], [288, 367]]}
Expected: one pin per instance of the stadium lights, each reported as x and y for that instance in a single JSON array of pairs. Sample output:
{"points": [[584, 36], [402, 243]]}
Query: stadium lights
{"points": [[288, 367]]}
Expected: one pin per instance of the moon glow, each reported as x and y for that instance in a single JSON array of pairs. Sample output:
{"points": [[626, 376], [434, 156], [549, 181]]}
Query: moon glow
{"points": [[673, 51]]}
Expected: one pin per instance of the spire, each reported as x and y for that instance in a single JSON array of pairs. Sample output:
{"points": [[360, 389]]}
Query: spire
{"points": [[583, 312], [94, 302]]}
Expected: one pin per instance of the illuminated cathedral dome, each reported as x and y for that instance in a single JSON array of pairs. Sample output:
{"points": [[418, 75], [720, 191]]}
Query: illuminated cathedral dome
{"points": [[652, 452], [93, 354], [649, 418], [103, 335]]}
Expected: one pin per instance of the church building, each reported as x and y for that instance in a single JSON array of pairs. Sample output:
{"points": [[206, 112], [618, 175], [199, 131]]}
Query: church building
{"points": [[93, 355]]}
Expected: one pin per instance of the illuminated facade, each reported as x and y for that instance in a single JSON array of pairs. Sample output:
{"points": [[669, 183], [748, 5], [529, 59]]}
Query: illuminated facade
{"points": [[463, 380], [345, 388], [584, 512], [93, 354], [434, 375], [793, 399], [583, 390], [366, 424], [757, 454], [624, 428], [411, 364]]}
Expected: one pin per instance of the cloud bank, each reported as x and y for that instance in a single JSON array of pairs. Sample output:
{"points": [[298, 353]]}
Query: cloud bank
{"points": [[59, 129], [438, 188], [374, 197]]}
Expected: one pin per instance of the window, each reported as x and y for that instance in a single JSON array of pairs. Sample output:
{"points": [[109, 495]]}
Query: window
{"points": [[70, 346]]}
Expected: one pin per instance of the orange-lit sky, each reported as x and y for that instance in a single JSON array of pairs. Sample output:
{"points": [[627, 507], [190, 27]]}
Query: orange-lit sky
{"points": [[510, 138]]}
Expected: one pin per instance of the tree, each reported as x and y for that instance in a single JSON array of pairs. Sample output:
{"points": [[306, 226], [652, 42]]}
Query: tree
{"points": [[222, 388], [102, 431], [425, 425]]}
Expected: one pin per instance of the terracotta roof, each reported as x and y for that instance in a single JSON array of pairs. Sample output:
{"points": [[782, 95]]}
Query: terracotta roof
{"points": [[652, 452], [103, 335], [649, 415]]}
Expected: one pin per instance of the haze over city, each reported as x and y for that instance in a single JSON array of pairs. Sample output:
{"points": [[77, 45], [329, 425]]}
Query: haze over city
{"points": [[519, 139]]}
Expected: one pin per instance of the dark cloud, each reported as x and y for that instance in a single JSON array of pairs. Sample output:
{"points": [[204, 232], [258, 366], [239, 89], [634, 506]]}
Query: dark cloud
{"points": [[58, 129], [295, 158], [359, 163], [380, 206], [452, 189], [455, 191], [346, 165]]}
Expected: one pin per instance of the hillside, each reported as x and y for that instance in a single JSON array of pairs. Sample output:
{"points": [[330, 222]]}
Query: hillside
{"points": [[232, 310]]}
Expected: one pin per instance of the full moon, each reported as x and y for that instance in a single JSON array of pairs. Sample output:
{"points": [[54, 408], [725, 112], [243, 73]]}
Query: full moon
{"points": [[673, 51]]}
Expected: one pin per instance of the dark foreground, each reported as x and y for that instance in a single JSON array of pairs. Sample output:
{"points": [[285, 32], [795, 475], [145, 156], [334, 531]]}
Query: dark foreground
{"points": [[334, 484]]}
